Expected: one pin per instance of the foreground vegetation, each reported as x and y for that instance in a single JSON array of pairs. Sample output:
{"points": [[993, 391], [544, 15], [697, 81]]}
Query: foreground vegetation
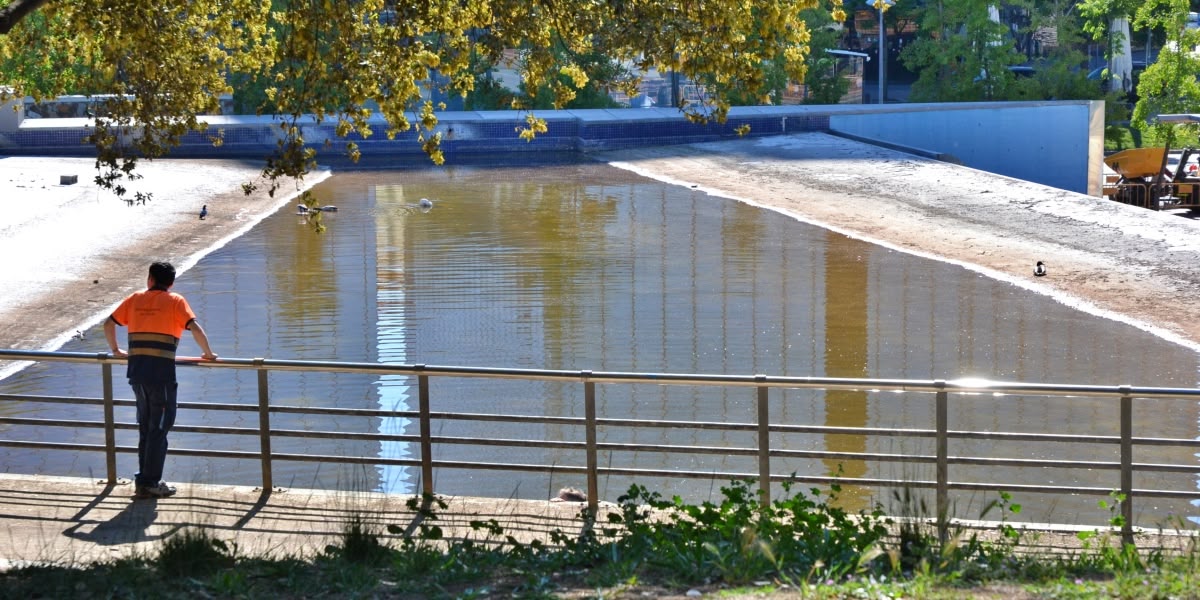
{"points": [[799, 546]]}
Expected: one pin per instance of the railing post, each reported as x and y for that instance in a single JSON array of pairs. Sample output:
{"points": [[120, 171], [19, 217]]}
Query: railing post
{"points": [[426, 433], [1126, 465], [764, 443], [943, 468], [110, 426], [264, 426], [589, 417]]}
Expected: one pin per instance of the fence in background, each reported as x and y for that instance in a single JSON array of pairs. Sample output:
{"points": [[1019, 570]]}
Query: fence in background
{"points": [[758, 385]]}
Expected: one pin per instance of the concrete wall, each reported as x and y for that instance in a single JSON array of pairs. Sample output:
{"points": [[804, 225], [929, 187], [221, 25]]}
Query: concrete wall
{"points": [[1059, 144], [1054, 143], [11, 114]]}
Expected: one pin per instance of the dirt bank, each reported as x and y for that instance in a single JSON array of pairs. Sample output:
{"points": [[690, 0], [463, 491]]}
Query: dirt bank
{"points": [[1122, 262]]}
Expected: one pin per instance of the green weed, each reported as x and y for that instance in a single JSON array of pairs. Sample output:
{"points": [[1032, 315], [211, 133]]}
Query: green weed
{"points": [[800, 544]]}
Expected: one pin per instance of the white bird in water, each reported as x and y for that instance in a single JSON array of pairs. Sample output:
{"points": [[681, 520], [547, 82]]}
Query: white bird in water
{"points": [[425, 203], [1039, 270]]}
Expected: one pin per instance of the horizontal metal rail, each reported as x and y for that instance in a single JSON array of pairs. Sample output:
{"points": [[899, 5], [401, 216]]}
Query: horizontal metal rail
{"points": [[758, 432]]}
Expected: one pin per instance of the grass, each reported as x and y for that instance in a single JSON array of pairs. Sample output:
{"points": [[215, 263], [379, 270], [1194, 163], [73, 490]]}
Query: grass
{"points": [[801, 545]]}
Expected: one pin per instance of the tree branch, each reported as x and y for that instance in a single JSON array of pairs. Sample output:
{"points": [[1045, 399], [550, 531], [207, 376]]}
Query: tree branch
{"points": [[15, 11]]}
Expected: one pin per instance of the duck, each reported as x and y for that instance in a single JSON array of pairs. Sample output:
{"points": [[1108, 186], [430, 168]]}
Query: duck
{"points": [[203, 212], [425, 203], [1039, 270], [301, 209], [328, 208]]}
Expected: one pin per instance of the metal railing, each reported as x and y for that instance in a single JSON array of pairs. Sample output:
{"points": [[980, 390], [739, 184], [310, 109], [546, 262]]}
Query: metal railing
{"points": [[762, 428], [1155, 196]]}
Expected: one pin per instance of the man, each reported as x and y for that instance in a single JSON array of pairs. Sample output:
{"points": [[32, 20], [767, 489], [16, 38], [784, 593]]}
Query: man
{"points": [[155, 319]]}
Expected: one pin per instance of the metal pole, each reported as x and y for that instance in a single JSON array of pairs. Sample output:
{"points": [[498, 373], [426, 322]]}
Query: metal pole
{"points": [[943, 470], [264, 426], [1127, 467], [110, 429], [426, 434], [764, 444], [882, 51], [589, 416]]}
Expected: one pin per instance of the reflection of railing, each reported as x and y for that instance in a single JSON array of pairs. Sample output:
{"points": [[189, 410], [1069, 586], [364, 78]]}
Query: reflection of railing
{"points": [[592, 422]]}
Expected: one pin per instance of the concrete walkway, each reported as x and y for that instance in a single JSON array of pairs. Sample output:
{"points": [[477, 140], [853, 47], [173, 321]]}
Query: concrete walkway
{"points": [[62, 520], [72, 520]]}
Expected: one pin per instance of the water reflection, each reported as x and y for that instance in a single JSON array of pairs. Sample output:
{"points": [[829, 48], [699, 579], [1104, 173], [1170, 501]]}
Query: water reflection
{"points": [[846, 339], [587, 267]]}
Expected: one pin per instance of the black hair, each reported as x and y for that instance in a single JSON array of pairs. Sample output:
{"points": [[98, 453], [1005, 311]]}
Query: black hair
{"points": [[163, 273]]}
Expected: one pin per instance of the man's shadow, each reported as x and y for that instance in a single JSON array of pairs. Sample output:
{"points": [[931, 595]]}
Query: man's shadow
{"points": [[129, 526]]}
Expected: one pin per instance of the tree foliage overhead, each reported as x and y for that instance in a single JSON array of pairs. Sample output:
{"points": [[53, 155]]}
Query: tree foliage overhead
{"points": [[161, 64]]}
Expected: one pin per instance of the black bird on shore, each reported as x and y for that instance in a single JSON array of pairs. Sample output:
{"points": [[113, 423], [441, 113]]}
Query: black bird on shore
{"points": [[203, 212], [1040, 269]]}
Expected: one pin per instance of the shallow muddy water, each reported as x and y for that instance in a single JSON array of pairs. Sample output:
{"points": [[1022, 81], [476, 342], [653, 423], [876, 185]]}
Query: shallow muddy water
{"points": [[590, 267]]}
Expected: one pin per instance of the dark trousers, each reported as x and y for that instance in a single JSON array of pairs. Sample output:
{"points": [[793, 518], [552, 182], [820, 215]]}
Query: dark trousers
{"points": [[155, 417]]}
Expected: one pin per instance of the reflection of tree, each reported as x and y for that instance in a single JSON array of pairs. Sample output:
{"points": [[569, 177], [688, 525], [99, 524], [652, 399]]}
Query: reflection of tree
{"points": [[556, 228], [305, 285], [846, 353], [745, 230]]}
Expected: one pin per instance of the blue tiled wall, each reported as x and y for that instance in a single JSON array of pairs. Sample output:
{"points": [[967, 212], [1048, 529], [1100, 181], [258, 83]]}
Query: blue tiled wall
{"points": [[464, 133], [1019, 139]]}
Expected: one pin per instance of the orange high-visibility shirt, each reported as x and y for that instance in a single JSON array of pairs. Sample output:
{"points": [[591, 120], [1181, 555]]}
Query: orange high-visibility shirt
{"points": [[155, 318]]}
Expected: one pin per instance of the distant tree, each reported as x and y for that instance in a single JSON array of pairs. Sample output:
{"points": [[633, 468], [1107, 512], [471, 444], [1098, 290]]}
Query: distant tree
{"points": [[824, 33], [1169, 85], [825, 84], [166, 61], [960, 54], [489, 92], [964, 54], [599, 74]]}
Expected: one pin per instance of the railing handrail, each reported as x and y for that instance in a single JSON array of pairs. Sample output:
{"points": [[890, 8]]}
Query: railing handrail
{"points": [[590, 422], [957, 386]]}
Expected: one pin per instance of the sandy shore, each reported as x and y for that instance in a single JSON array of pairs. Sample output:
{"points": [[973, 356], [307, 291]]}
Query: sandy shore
{"points": [[1130, 264], [71, 252]]}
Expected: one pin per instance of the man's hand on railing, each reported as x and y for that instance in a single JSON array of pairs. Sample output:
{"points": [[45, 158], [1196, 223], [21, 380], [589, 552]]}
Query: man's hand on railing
{"points": [[118, 353]]}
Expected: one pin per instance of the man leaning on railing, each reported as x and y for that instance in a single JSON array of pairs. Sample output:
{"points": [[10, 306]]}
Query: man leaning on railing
{"points": [[155, 319]]}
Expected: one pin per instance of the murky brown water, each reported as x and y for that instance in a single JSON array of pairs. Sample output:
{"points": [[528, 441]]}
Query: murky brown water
{"points": [[589, 267]]}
